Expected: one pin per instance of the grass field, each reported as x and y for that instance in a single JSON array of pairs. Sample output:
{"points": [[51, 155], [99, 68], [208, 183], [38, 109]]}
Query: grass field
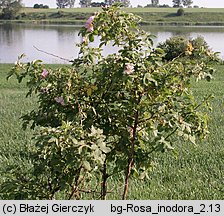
{"points": [[132, 10], [197, 172], [150, 16]]}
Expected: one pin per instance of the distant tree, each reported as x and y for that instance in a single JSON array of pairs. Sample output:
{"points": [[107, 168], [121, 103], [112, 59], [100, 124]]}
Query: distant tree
{"points": [[187, 3], [85, 3], [7, 3], [177, 3], [98, 4], [10, 8], [36, 6], [109, 2], [164, 6], [71, 3], [3, 3], [155, 3], [180, 3], [62, 3], [125, 3]]}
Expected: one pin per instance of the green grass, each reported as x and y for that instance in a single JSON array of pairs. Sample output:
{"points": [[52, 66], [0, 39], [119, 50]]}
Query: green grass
{"points": [[132, 10], [196, 173], [14, 142], [150, 16]]}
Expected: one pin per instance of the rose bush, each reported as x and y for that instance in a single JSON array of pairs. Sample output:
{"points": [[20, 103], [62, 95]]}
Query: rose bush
{"points": [[106, 115]]}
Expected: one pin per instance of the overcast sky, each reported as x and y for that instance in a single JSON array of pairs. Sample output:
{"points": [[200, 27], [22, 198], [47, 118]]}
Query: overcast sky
{"points": [[134, 3]]}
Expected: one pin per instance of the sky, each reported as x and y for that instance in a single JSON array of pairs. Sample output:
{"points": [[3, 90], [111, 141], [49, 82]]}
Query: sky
{"points": [[134, 3]]}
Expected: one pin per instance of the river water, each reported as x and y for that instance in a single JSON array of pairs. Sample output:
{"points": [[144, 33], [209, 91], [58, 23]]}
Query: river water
{"points": [[61, 40]]}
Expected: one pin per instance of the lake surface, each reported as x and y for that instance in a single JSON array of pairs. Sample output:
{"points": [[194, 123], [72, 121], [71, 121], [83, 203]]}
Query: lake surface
{"points": [[61, 40]]}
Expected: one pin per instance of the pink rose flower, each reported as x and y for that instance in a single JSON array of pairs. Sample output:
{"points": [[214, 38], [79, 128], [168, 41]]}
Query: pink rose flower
{"points": [[89, 24], [60, 100], [44, 73], [129, 68]]}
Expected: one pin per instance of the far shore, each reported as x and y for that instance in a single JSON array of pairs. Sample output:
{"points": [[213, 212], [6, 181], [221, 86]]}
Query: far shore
{"points": [[150, 16]]}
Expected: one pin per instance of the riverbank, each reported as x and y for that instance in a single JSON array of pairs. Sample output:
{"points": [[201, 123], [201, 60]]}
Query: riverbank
{"points": [[150, 16]]}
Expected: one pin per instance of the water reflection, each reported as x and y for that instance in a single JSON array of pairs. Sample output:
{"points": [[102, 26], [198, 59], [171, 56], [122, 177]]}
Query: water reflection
{"points": [[9, 34], [61, 40]]}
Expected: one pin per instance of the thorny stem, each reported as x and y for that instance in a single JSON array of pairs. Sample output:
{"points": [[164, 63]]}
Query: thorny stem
{"points": [[130, 157], [132, 151], [75, 188], [171, 133], [104, 181], [204, 100]]}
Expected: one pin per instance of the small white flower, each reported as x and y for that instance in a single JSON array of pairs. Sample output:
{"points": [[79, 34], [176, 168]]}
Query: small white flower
{"points": [[44, 90], [60, 100], [129, 68]]}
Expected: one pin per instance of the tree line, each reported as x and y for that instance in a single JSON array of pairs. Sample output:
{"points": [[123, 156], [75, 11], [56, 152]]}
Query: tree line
{"points": [[10, 8], [9, 4], [176, 3], [90, 3], [181, 3], [126, 3]]}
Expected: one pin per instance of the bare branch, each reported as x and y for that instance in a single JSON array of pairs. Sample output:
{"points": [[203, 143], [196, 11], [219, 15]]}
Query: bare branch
{"points": [[52, 54]]}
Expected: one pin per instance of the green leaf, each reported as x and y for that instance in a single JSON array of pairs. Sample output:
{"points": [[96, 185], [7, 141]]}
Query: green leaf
{"points": [[192, 139], [91, 37], [53, 139], [86, 165], [166, 144], [104, 148], [89, 91], [148, 78], [142, 175], [161, 51]]}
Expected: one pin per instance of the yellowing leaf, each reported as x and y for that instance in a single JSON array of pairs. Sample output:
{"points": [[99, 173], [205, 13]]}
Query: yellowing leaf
{"points": [[94, 88], [89, 91]]}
